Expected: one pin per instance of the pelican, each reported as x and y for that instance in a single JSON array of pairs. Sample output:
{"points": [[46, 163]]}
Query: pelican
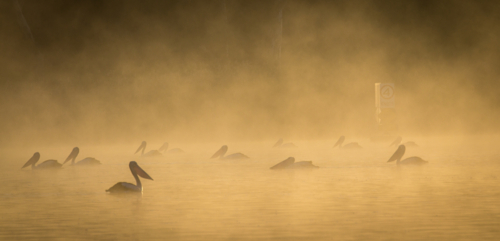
{"points": [[397, 141], [410, 144], [48, 164], [222, 151], [352, 145], [85, 161], [149, 153], [414, 160], [280, 144], [290, 163], [164, 148], [129, 187]]}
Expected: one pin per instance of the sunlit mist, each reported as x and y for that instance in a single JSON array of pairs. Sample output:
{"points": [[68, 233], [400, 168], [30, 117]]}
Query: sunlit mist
{"points": [[281, 94]]}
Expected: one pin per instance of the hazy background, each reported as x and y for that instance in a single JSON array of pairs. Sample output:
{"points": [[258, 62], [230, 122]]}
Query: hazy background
{"points": [[109, 71]]}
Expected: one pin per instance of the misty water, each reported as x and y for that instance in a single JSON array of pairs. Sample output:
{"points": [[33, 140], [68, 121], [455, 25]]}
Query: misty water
{"points": [[354, 195]]}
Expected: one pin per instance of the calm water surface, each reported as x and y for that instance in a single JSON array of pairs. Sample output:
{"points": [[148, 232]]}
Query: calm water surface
{"points": [[355, 195]]}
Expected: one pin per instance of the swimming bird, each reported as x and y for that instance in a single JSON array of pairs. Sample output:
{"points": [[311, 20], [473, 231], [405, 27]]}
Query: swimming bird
{"points": [[290, 163], [48, 164], [410, 144], [280, 144], [352, 145], [397, 141], [129, 187], [151, 153], [164, 148], [86, 161], [222, 151], [414, 160]]}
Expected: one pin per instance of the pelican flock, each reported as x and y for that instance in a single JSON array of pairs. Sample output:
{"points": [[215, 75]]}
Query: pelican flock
{"points": [[86, 161], [48, 164], [129, 187], [138, 172]]}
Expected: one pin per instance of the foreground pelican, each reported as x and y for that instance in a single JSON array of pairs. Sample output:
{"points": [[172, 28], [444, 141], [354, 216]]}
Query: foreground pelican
{"points": [[222, 151], [352, 145], [414, 160], [129, 187], [290, 163], [149, 153], [48, 164], [280, 144], [86, 161], [164, 148]]}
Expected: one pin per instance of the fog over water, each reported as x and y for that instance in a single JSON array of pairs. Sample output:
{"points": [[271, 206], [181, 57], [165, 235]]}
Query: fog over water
{"points": [[107, 75], [195, 70], [354, 195]]}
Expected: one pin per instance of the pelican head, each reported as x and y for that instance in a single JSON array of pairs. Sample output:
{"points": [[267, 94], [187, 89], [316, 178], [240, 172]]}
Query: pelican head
{"points": [[414, 160], [278, 143], [221, 152], [339, 142], [397, 141], [33, 160], [137, 172], [136, 169], [72, 155], [398, 154], [141, 147], [163, 147], [290, 163]]}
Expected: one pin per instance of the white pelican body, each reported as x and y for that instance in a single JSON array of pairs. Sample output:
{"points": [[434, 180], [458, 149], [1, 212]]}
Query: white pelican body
{"points": [[280, 144], [164, 148], [415, 160], [222, 151], [84, 162], [129, 187], [290, 163], [48, 164], [151, 153], [352, 145]]}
